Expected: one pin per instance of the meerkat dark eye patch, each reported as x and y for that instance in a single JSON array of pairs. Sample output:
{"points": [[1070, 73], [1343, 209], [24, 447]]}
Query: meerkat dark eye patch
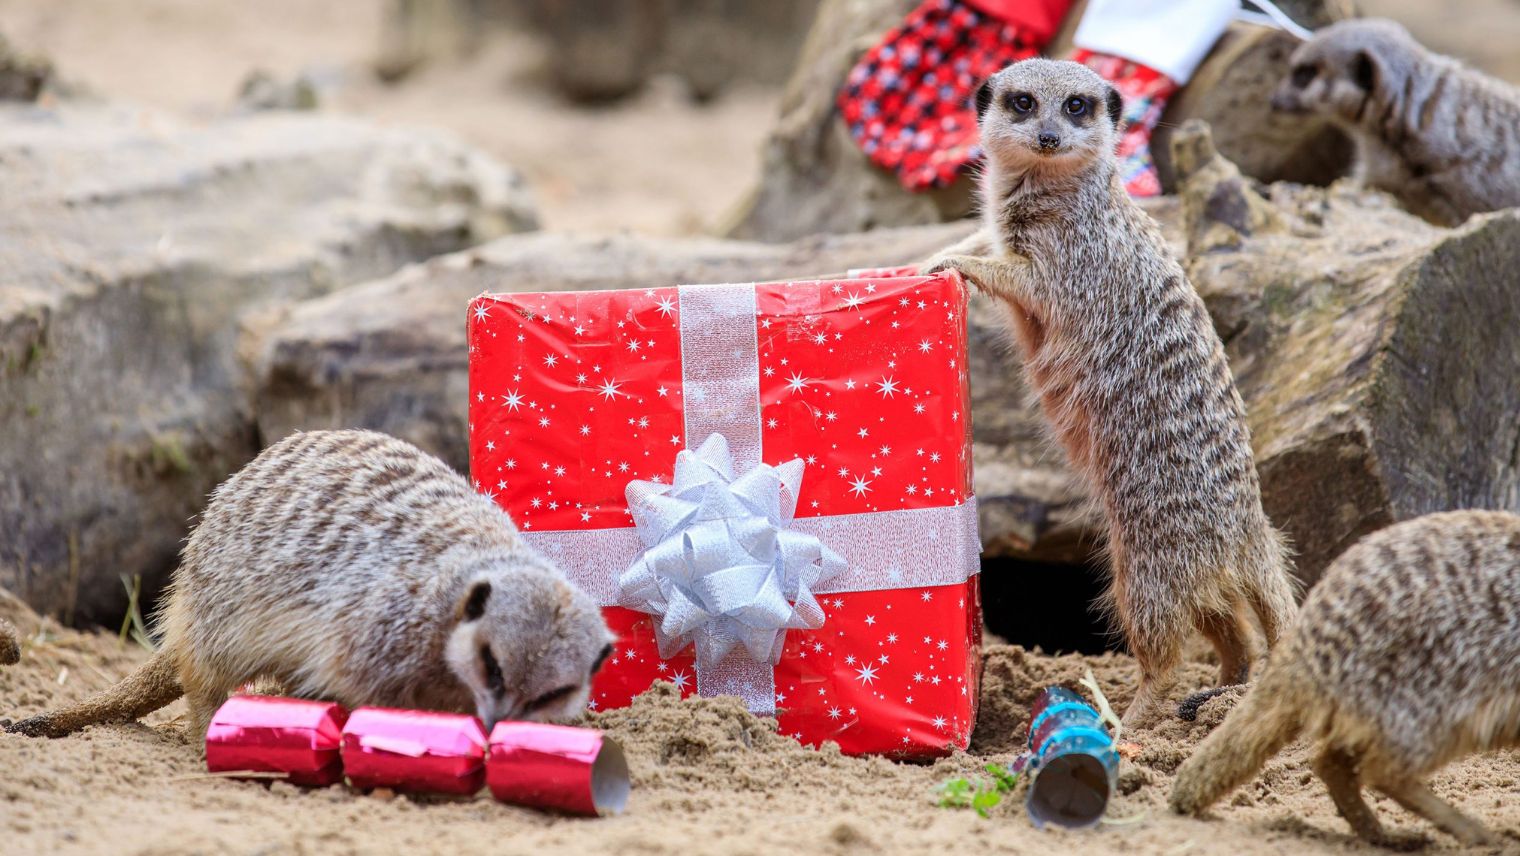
{"points": [[1303, 75], [601, 658], [983, 98], [1115, 103], [1363, 71], [474, 604], [1019, 103], [494, 680], [552, 696]]}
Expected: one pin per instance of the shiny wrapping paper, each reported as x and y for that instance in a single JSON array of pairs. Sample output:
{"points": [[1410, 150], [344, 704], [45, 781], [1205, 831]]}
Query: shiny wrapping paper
{"points": [[261, 734], [575, 395], [574, 770], [414, 750]]}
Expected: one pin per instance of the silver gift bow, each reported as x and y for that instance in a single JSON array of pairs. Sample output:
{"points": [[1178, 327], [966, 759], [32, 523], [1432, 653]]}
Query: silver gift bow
{"points": [[721, 565]]}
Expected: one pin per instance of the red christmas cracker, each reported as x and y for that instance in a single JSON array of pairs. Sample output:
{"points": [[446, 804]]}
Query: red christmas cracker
{"points": [[261, 734], [768, 488], [575, 770], [414, 750]]}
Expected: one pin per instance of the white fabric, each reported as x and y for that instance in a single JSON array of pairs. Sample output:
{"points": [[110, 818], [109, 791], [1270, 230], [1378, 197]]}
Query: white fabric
{"points": [[1170, 36]]}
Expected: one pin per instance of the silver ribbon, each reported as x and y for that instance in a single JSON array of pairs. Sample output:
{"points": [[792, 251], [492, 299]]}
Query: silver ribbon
{"points": [[720, 565], [719, 559]]}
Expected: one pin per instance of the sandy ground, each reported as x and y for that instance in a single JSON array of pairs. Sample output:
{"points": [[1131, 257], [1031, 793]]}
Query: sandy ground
{"points": [[708, 778]]}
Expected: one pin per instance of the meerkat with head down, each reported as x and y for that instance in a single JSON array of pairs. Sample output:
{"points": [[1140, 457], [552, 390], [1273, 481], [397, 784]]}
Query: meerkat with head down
{"points": [[1440, 137], [1405, 657], [353, 567], [1129, 372]]}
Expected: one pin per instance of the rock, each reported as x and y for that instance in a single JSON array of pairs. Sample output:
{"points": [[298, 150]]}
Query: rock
{"points": [[815, 179], [390, 355], [135, 245], [1376, 353], [263, 91]]}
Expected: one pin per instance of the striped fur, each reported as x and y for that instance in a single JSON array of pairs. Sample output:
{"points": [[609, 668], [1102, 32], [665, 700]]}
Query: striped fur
{"points": [[341, 565], [1130, 374], [1405, 657], [1439, 136]]}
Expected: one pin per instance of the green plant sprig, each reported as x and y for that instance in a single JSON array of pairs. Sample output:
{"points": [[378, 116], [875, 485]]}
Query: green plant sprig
{"points": [[977, 794]]}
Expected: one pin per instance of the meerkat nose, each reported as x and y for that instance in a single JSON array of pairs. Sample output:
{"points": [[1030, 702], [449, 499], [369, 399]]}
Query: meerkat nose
{"points": [[1049, 141]]}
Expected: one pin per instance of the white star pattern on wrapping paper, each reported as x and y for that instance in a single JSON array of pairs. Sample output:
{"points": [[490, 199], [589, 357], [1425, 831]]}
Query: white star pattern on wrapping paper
{"points": [[551, 361], [609, 390], [681, 680], [808, 372], [482, 312]]}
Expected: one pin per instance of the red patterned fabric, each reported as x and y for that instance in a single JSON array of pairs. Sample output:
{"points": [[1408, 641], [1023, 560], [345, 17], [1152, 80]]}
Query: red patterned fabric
{"points": [[908, 102]]}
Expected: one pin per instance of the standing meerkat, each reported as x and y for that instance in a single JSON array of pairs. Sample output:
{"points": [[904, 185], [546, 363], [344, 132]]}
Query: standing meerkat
{"points": [[352, 567], [1129, 371], [1405, 657], [1440, 137]]}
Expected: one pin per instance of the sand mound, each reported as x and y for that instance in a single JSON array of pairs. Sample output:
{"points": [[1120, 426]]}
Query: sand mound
{"points": [[708, 778]]}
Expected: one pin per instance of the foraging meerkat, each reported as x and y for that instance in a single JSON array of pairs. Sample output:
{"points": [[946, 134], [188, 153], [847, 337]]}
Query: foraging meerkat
{"points": [[1440, 137], [353, 567], [1129, 371], [1405, 657], [10, 646]]}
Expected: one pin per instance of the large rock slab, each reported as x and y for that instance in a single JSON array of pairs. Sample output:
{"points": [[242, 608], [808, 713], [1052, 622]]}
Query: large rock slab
{"points": [[133, 245], [1377, 354], [814, 178]]}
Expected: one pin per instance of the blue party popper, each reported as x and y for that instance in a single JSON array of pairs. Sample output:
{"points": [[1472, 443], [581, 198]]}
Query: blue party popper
{"points": [[1072, 761]]}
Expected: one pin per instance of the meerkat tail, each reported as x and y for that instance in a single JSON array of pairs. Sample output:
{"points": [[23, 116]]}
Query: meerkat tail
{"points": [[1264, 721], [1271, 588], [152, 686]]}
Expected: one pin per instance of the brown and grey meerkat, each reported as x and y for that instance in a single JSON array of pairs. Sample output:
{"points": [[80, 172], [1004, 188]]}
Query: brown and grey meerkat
{"points": [[1439, 136], [1405, 657], [1129, 372], [353, 567]]}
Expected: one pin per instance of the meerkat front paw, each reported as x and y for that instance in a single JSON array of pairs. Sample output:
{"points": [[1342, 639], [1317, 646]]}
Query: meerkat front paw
{"points": [[973, 269]]}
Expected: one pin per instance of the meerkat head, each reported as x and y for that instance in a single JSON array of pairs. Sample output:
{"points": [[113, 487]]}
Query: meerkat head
{"points": [[1047, 116], [527, 643], [1343, 67]]}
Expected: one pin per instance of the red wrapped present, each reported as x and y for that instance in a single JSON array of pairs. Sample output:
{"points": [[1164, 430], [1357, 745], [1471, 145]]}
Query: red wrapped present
{"points": [[262, 734], [414, 750], [768, 487], [576, 770]]}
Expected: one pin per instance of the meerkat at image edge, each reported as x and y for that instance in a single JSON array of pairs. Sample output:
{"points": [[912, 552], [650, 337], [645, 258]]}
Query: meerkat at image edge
{"points": [[1129, 372], [1405, 657], [1441, 137], [350, 566]]}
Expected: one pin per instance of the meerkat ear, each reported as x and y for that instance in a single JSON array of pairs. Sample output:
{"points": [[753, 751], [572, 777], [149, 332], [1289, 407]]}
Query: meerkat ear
{"points": [[1115, 106], [1364, 71], [983, 98], [474, 604]]}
